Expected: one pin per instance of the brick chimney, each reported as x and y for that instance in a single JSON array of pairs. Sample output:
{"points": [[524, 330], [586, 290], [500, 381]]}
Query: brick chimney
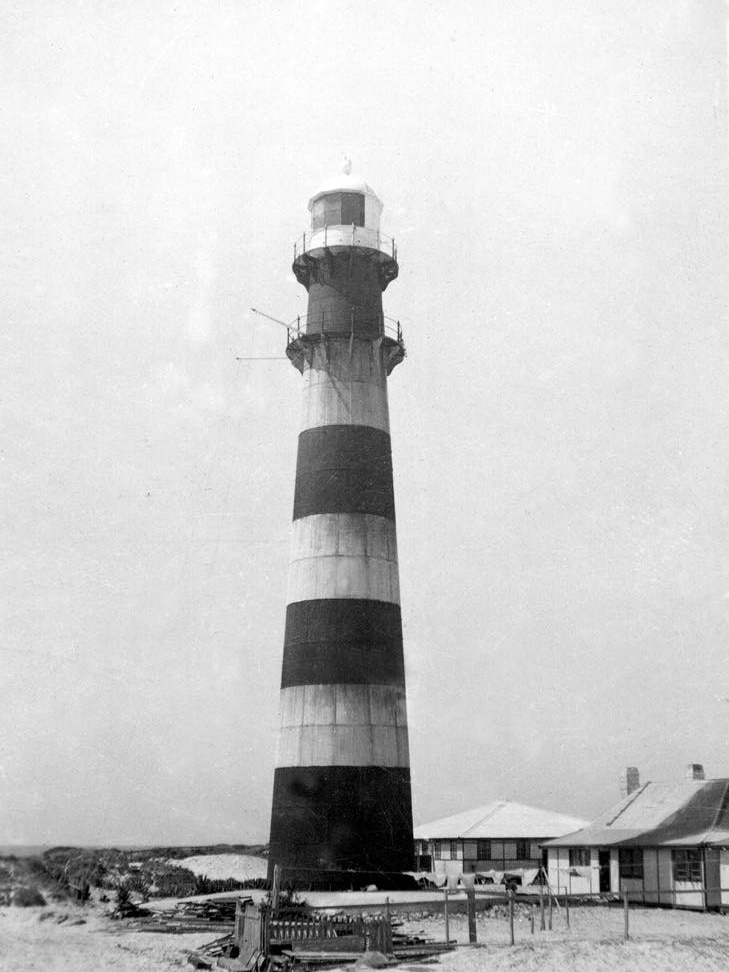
{"points": [[695, 771], [629, 781]]}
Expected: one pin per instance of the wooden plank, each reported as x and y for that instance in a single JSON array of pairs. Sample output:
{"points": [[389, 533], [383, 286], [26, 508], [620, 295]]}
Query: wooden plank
{"points": [[333, 957], [343, 943]]}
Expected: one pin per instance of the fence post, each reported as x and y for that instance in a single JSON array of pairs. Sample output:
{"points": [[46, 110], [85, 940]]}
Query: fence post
{"points": [[511, 916], [626, 912], [276, 887], [534, 908], [551, 902], [541, 907], [567, 909], [471, 904], [445, 912], [388, 928]]}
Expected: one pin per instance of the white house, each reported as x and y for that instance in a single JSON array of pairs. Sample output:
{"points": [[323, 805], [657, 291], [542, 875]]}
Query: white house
{"points": [[501, 836], [663, 843]]}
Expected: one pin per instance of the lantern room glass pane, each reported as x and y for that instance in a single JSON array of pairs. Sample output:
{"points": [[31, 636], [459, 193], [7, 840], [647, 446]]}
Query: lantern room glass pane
{"points": [[353, 209], [338, 209]]}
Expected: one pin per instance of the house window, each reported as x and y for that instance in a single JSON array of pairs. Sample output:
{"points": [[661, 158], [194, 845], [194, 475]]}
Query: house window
{"points": [[579, 856], [630, 863], [437, 850], [454, 849], [687, 865], [483, 850], [522, 850]]}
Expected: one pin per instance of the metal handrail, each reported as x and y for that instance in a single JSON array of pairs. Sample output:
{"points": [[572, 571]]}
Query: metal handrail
{"points": [[315, 239], [390, 326]]}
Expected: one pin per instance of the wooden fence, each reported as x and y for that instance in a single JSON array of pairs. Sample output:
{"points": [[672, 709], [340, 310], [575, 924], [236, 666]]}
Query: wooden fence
{"points": [[260, 931]]}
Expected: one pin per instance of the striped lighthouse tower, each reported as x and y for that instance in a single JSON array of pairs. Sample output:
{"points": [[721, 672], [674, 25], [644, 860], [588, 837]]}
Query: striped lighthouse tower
{"points": [[341, 795]]}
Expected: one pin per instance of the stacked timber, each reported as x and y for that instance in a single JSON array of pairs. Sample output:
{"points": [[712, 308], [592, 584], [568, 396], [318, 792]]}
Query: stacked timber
{"points": [[192, 916]]}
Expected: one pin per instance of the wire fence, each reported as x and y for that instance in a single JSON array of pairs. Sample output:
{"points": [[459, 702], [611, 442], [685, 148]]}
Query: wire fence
{"points": [[551, 911]]}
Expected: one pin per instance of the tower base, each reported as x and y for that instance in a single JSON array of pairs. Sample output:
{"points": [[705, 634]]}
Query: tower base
{"points": [[342, 826]]}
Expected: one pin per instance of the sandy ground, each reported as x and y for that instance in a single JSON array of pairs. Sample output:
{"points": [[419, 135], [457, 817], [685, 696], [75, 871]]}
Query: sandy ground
{"points": [[240, 867], [29, 944], [661, 941]]}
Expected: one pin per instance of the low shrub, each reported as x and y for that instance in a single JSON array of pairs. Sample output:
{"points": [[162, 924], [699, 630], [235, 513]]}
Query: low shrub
{"points": [[28, 898]]}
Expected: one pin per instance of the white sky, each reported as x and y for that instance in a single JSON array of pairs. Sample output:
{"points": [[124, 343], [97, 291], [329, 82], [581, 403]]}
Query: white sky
{"points": [[555, 174]]}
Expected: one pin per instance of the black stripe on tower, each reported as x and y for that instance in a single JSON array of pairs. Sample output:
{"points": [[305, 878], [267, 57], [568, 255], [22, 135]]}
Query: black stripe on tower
{"points": [[344, 469], [336, 641], [345, 817]]}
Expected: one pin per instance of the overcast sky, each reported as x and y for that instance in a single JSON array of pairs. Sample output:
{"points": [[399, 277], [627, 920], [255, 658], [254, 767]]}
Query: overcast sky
{"points": [[554, 172]]}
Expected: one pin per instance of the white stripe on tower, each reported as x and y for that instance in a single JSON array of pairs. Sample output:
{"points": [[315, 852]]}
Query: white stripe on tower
{"points": [[343, 555], [343, 725], [345, 384]]}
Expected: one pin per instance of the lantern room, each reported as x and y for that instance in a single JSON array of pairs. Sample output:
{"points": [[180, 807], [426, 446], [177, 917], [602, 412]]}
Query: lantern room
{"points": [[345, 214], [346, 200]]}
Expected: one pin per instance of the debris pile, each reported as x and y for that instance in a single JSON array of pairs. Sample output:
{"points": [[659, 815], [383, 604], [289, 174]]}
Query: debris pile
{"points": [[191, 916]]}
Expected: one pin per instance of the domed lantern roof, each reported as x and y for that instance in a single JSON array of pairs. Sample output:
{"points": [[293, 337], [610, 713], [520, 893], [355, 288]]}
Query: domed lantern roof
{"points": [[348, 182]]}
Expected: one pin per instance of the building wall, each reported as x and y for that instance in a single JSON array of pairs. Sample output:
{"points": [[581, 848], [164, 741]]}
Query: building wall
{"points": [[462, 858], [724, 875], [665, 872], [614, 872], [652, 882], [583, 879], [657, 887], [717, 877], [713, 877]]}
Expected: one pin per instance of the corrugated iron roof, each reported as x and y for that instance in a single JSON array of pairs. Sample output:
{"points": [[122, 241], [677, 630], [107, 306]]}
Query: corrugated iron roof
{"points": [[500, 820], [688, 813]]}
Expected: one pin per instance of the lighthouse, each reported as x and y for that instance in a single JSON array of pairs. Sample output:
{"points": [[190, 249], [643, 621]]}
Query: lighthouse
{"points": [[341, 793]]}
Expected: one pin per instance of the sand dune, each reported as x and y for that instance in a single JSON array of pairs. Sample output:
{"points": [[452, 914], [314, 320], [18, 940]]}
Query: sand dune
{"points": [[241, 867]]}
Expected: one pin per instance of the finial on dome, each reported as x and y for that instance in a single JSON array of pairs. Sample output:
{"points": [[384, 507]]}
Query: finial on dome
{"points": [[347, 166]]}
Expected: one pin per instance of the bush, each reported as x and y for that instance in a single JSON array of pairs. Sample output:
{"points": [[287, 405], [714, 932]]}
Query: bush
{"points": [[28, 898], [123, 895], [136, 882]]}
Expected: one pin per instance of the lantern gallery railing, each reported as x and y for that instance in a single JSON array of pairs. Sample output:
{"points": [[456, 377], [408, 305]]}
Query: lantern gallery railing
{"points": [[388, 326], [345, 236]]}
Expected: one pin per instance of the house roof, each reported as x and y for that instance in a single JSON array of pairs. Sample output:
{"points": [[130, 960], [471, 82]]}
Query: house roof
{"points": [[688, 813], [499, 820]]}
